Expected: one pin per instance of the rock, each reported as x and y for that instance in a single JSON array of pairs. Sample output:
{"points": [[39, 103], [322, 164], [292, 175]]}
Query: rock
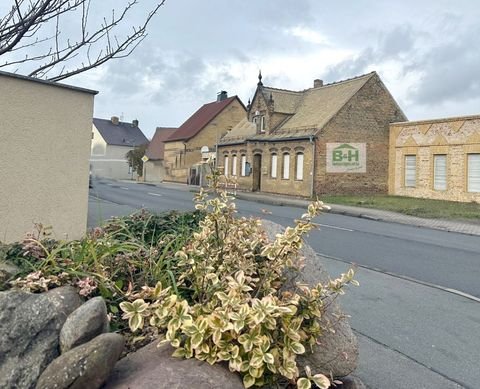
{"points": [[337, 353], [29, 328], [84, 324], [7, 271], [153, 367], [351, 382], [85, 366]]}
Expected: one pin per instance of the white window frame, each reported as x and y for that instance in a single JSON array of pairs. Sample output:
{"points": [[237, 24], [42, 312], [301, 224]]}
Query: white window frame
{"points": [[243, 167], [286, 166], [274, 165], [225, 163], [440, 172], [473, 173], [410, 171], [299, 158], [234, 165]]}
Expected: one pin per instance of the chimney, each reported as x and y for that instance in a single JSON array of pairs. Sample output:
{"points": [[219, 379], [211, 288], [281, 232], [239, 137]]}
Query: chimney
{"points": [[115, 120], [222, 95], [317, 83], [135, 123]]}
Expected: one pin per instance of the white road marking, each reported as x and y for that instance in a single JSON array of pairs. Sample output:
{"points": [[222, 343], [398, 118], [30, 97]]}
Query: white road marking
{"points": [[334, 227], [122, 187], [154, 194]]}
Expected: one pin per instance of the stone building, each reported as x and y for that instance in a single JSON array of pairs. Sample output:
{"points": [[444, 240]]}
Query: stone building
{"points": [[154, 168], [111, 141], [204, 128], [331, 138], [438, 159]]}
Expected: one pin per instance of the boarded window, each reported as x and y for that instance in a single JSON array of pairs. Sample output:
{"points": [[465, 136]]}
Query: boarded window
{"points": [[234, 165], [440, 172], [244, 165], [473, 174], [299, 167], [410, 171], [274, 166], [226, 166], [286, 166]]}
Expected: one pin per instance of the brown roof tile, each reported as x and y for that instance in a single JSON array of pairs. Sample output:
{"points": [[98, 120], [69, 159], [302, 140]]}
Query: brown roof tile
{"points": [[200, 119], [157, 146]]}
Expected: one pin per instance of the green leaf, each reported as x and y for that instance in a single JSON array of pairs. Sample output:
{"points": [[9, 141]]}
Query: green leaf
{"points": [[321, 381], [135, 322], [303, 383], [297, 348], [196, 340], [248, 380], [268, 358]]}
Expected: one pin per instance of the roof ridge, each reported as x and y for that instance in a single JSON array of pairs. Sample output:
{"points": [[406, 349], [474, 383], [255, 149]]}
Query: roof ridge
{"points": [[346, 80], [283, 90]]}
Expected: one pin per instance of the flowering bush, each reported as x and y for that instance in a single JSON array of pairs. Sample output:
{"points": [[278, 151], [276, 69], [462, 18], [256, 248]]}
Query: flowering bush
{"points": [[233, 307]]}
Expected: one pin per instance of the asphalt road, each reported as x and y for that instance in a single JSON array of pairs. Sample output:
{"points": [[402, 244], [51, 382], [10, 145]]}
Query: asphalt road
{"points": [[428, 336]]}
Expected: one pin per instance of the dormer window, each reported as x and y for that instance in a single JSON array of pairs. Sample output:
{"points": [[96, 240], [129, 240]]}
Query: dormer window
{"points": [[259, 121]]}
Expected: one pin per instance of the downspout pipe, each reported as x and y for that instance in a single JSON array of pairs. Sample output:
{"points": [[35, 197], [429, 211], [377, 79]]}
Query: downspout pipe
{"points": [[312, 187]]}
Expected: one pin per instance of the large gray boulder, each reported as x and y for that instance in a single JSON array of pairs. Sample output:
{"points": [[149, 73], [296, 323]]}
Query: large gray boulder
{"points": [[7, 271], [337, 352], [85, 366], [153, 367], [29, 329], [84, 324]]}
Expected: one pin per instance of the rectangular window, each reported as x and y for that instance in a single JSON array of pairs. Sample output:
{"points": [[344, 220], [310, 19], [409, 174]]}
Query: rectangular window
{"points": [[244, 165], [234, 165], [473, 173], [411, 171], [286, 166], [225, 170], [262, 124], [274, 166], [299, 167], [440, 172]]}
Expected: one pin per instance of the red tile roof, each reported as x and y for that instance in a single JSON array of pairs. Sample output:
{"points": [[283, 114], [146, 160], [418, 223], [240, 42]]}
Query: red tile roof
{"points": [[200, 119], [156, 147]]}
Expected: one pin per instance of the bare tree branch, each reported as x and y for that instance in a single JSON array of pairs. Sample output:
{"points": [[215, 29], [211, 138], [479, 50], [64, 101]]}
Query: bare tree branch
{"points": [[69, 54]]}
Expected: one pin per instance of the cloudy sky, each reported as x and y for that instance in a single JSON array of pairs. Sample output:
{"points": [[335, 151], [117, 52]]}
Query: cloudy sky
{"points": [[427, 52]]}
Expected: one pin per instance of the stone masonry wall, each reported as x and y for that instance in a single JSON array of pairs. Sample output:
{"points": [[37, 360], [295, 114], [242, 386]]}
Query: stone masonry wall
{"points": [[454, 137], [189, 151], [364, 119]]}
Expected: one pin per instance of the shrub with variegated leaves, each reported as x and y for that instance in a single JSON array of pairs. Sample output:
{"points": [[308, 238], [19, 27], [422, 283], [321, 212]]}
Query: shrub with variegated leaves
{"points": [[234, 307]]}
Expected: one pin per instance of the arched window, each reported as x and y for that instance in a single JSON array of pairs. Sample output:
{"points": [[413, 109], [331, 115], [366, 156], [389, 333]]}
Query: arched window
{"points": [[273, 172], [286, 166], [225, 170], [234, 165], [243, 170], [299, 167]]}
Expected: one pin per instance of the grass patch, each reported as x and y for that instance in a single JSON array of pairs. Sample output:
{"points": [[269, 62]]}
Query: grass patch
{"points": [[436, 209]]}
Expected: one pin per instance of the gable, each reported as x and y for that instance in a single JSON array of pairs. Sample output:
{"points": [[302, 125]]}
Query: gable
{"points": [[121, 134], [204, 115]]}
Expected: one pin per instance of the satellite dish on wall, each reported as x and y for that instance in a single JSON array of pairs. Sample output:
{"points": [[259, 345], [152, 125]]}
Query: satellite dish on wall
{"points": [[204, 149]]}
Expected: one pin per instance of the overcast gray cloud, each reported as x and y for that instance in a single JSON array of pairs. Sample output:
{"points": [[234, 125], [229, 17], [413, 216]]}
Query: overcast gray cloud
{"points": [[425, 52]]}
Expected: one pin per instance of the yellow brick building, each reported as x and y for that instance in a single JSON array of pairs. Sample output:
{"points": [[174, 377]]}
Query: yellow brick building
{"points": [[331, 138], [438, 159], [204, 128]]}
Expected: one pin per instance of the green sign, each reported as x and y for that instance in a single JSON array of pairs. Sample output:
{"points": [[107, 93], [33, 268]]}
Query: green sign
{"points": [[346, 158]]}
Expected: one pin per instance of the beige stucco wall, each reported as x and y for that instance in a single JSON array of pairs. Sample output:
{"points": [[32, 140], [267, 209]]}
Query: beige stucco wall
{"points": [[454, 137], [109, 161], [45, 134], [154, 171]]}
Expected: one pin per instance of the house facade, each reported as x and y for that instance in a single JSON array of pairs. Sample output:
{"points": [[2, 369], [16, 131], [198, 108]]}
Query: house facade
{"points": [[44, 153], [438, 159], [329, 139], [154, 168], [204, 128], [111, 141]]}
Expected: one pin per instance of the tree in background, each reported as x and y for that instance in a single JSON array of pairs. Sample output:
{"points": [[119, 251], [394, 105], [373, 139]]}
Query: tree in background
{"points": [[56, 39], [134, 158]]}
